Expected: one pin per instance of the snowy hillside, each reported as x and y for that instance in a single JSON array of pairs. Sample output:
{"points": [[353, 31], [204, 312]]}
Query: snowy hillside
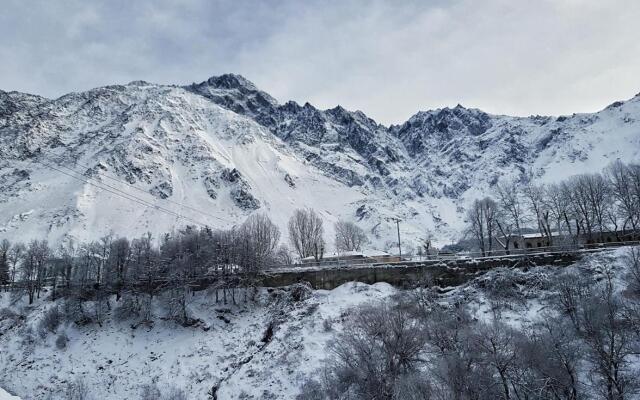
{"points": [[263, 349], [145, 157], [227, 350]]}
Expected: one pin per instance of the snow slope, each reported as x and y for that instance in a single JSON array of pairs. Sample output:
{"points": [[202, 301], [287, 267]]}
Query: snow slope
{"points": [[229, 349], [213, 165], [215, 152], [6, 396], [226, 350]]}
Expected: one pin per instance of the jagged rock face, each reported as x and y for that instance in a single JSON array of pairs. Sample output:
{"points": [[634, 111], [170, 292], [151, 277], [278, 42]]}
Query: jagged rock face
{"points": [[466, 151], [217, 151], [358, 138], [440, 127], [237, 94]]}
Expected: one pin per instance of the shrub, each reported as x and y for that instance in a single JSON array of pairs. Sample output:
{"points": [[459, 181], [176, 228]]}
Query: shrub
{"points": [[50, 321], [152, 392], [300, 292], [149, 392], [174, 393], [61, 341], [380, 344], [27, 337], [128, 308], [633, 262], [7, 313], [77, 390], [327, 324], [73, 310], [311, 390]]}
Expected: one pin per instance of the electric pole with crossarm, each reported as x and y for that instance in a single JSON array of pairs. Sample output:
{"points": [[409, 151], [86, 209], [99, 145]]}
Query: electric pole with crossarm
{"points": [[398, 227]]}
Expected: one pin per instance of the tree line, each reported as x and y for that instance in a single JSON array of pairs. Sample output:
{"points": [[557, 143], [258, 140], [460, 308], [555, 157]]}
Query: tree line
{"points": [[584, 344], [582, 207], [142, 267]]}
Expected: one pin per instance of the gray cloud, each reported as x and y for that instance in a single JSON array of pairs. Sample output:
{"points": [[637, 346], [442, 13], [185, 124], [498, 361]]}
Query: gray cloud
{"points": [[386, 58]]}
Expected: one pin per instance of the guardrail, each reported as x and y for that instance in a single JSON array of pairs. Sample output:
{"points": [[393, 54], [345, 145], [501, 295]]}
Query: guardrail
{"points": [[471, 256]]}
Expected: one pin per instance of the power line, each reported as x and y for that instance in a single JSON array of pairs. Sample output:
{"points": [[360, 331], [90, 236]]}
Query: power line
{"points": [[131, 186], [115, 179], [397, 220], [124, 195]]}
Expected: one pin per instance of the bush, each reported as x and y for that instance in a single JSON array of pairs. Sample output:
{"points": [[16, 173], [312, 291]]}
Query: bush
{"points": [[327, 325], [128, 308], [633, 263], [73, 310], [300, 292], [7, 313], [27, 337], [77, 390], [514, 284], [61, 341], [149, 392], [174, 394], [379, 346], [50, 321], [311, 390]]}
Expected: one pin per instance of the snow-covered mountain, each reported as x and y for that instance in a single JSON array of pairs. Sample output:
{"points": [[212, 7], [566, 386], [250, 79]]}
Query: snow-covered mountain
{"points": [[145, 157]]}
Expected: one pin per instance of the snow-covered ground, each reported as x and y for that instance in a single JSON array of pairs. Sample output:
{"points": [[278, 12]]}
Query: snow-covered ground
{"points": [[227, 350], [215, 153], [6, 396], [231, 347]]}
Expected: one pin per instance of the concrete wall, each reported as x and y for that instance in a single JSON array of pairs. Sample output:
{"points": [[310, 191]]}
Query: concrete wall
{"points": [[441, 273]]}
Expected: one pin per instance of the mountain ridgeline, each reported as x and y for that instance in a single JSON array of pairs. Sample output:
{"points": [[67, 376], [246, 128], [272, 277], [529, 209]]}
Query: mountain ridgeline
{"points": [[145, 157]]}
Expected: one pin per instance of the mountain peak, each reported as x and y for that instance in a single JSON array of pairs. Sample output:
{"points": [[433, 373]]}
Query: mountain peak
{"points": [[231, 81]]}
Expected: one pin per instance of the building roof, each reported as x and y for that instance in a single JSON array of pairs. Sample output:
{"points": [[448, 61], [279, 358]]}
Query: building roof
{"points": [[363, 254], [537, 235]]}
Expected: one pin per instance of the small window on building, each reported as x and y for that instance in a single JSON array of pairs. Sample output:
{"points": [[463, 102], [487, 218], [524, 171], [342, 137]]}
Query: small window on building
{"points": [[539, 244], [515, 245], [528, 245]]}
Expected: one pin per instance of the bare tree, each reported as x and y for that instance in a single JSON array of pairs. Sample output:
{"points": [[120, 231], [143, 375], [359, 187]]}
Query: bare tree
{"points": [[5, 246], [425, 243], [380, 349], [599, 199], [120, 256], [589, 196], [481, 219], [349, 236], [262, 237], [511, 203], [496, 342], [306, 234], [535, 195], [145, 268], [621, 184], [283, 255], [609, 339], [34, 268], [558, 202], [507, 228], [178, 257], [553, 354], [456, 363], [633, 262], [68, 253], [15, 255], [256, 244]]}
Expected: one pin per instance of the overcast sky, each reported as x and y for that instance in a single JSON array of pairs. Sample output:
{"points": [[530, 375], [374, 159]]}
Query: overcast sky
{"points": [[386, 58]]}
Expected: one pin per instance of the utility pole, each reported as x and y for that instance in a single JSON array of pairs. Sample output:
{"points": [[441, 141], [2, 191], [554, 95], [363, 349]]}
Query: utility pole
{"points": [[399, 246]]}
